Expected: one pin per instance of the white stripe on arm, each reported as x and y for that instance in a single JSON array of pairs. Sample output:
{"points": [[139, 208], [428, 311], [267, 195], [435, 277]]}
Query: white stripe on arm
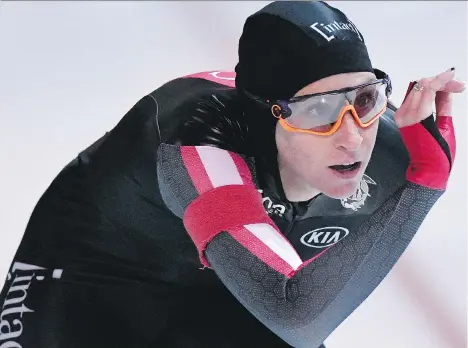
{"points": [[219, 166], [276, 242]]}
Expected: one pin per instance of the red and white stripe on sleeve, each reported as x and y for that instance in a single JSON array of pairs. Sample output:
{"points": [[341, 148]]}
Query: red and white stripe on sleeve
{"points": [[228, 201]]}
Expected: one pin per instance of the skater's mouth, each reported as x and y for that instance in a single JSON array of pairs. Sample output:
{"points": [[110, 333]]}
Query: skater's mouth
{"points": [[346, 167]]}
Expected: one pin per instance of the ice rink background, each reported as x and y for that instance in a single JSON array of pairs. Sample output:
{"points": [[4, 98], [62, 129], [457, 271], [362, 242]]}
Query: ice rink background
{"points": [[70, 70]]}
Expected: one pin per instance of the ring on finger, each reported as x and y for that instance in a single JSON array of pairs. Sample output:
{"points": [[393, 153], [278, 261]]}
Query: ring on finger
{"points": [[418, 87]]}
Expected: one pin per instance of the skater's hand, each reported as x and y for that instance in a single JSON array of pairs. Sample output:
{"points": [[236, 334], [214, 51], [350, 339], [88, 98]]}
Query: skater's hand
{"points": [[421, 96], [430, 142]]}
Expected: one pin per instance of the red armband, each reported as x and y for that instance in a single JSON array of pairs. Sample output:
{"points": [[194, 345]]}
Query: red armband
{"points": [[222, 209], [429, 165]]}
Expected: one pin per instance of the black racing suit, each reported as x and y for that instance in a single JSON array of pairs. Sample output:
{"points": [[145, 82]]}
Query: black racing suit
{"points": [[106, 261]]}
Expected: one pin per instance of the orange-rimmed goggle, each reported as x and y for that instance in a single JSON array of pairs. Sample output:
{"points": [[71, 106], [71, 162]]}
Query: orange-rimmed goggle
{"points": [[323, 113]]}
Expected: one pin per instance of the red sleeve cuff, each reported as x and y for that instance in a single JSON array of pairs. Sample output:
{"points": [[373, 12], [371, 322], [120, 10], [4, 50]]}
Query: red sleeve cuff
{"points": [[221, 209]]}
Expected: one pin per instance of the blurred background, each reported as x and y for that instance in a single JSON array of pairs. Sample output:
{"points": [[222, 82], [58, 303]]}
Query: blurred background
{"points": [[70, 70]]}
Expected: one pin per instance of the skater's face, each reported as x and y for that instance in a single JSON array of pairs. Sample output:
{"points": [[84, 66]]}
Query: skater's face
{"points": [[333, 162]]}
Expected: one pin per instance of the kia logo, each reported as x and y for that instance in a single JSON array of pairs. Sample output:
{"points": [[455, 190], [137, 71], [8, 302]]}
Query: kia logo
{"points": [[324, 237]]}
